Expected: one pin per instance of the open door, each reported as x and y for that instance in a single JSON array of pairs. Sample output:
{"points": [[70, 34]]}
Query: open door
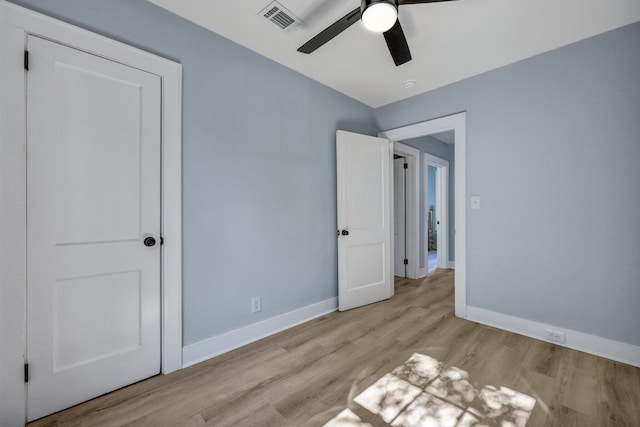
{"points": [[399, 216], [365, 270]]}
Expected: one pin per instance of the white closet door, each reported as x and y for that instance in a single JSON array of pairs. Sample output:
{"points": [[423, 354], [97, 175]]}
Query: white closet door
{"points": [[93, 197]]}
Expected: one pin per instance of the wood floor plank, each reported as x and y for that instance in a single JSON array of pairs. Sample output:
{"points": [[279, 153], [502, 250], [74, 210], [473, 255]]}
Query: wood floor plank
{"points": [[318, 371], [561, 416]]}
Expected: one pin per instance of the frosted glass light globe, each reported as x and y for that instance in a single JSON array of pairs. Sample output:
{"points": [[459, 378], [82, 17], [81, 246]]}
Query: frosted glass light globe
{"points": [[380, 17]]}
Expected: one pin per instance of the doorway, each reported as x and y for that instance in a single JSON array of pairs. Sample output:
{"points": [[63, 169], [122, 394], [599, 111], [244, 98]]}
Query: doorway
{"points": [[457, 124], [406, 213], [412, 238], [433, 220], [436, 212]]}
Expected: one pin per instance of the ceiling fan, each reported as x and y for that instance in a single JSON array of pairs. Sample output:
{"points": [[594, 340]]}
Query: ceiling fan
{"points": [[380, 16]]}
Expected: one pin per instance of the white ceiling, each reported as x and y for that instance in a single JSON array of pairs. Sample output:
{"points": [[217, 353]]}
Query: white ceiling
{"points": [[449, 41]]}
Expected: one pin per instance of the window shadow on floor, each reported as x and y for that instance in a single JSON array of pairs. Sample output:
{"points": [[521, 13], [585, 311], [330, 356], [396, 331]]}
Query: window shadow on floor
{"points": [[426, 392]]}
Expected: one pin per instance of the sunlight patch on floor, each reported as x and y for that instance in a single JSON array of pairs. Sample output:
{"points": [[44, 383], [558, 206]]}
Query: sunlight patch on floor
{"points": [[426, 392], [388, 397], [347, 418]]}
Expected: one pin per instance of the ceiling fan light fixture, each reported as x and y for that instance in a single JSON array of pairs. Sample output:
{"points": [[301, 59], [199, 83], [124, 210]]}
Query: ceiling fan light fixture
{"points": [[379, 16]]}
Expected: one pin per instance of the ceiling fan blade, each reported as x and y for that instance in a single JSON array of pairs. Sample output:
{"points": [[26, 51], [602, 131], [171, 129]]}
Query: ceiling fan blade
{"points": [[419, 1], [331, 31], [397, 44]]}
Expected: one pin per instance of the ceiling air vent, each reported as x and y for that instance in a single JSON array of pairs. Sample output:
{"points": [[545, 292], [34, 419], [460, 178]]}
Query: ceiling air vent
{"points": [[280, 16]]}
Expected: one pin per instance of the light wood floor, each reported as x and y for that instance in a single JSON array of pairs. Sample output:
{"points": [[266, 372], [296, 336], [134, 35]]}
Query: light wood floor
{"points": [[381, 356]]}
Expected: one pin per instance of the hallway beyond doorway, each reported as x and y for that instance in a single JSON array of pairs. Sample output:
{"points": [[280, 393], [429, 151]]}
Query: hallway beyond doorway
{"points": [[432, 261]]}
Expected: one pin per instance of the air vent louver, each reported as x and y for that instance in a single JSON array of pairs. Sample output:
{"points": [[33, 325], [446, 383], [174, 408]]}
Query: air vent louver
{"points": [[280, 16]]}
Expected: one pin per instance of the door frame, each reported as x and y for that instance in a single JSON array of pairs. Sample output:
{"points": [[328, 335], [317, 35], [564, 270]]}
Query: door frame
{"points": [[15, 24], [412, 208], [442, 204], [457, 123]]}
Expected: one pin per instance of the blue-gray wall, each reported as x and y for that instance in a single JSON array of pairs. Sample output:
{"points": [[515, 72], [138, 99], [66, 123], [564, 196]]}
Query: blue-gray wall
{"points": [[259, 168], [431, 189], [435, 147], [553, 149], [259, 175]]}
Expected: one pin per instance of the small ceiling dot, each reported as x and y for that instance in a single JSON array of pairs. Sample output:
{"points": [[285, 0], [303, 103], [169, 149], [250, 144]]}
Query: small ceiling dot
{"points": [[408, 84]]}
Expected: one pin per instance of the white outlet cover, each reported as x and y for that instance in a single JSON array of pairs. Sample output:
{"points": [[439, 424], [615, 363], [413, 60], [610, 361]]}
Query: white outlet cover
{"points": [[256, 304], [555, 336], [475, 202]]}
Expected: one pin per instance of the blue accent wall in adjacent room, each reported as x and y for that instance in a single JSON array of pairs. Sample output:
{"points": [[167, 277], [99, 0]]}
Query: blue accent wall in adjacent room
{"points": [[431, 190]]}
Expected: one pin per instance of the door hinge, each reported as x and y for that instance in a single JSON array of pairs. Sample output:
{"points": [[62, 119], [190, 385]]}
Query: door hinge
{"points": [[406, 165], [26, 60], [26, 372], [406, 261], [161, 240]]}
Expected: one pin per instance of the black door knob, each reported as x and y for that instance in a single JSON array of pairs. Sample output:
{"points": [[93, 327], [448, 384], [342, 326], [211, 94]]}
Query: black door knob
{"points": [[149, 241], [345, 232]]}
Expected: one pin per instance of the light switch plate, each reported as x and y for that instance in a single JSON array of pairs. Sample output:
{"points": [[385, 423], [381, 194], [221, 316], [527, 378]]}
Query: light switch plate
{"points": [[475, 202]]}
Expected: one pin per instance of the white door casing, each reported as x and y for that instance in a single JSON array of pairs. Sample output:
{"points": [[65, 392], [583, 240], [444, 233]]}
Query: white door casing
{"points": [[93, 195], [365, 270], [457, 123], [399, 207]]}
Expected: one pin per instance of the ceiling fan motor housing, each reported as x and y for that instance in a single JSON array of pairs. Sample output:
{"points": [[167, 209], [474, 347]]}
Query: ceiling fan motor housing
{"points": [[366, 3]]}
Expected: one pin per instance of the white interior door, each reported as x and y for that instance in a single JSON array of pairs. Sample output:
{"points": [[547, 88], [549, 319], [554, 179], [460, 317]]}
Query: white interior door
{"points": [[399, 226], [365, 272], [438, 219], [93, 197]]}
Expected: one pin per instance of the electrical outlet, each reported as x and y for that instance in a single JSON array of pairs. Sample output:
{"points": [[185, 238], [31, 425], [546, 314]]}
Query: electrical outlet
{"points": [[555, 336], [475, 202], [256, 304]]}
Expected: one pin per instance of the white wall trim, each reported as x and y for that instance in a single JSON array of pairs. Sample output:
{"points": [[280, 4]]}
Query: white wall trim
{"points": [[452, 265], [412, 197], [603, 347], [223, 343], [457, 123], [15, 24], [13, 247]]}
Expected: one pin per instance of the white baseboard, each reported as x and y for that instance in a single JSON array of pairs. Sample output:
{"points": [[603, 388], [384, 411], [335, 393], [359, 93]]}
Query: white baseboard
{"points": [[610, 349], [215, 346], [452, 265]]}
